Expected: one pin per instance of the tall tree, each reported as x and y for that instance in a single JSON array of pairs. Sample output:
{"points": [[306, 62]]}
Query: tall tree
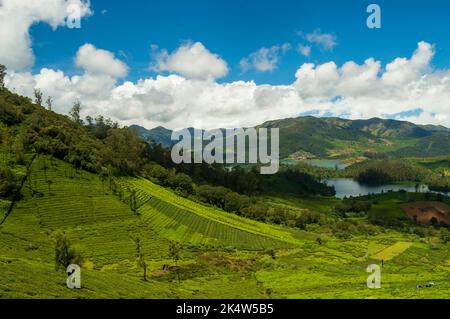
{"points": [[49, 103], [141, 257], [2, 75], [38, 96], [75, 112], [174, 253]]}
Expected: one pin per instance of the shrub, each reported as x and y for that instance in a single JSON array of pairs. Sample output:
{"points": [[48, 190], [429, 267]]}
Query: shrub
{"points": [[65, 253]]}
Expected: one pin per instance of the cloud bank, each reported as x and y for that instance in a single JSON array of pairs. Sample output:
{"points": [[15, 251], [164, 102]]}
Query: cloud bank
{"points": [[351, 90]]}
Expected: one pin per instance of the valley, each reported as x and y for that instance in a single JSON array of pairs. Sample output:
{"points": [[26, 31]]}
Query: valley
{"points": [[141, 227]]}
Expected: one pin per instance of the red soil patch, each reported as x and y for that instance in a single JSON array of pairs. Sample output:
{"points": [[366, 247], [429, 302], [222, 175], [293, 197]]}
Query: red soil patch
{"points": [[423, 212]]}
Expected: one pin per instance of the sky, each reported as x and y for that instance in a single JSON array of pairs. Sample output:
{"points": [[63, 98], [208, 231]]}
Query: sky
{"points": [[217, 63]]}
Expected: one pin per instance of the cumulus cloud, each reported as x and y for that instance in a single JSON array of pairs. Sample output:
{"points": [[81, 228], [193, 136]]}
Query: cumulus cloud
{"points": [[100, 61], [403, 70], [264, 59], [16, 18], [191, 60], [350, 90], [362, 91], [326, 41]]}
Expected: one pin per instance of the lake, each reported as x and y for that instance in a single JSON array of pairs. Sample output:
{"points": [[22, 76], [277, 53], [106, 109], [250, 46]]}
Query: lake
{"points": [[346, 187], [325, 163]]}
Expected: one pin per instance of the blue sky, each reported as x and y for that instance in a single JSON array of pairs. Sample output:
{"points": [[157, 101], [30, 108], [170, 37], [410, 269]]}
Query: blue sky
{"points": [[234, 29], [229, 63]]}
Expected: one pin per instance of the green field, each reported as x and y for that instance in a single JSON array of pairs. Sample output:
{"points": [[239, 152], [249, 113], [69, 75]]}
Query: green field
{"points": [[222, 256], [392, 251]]}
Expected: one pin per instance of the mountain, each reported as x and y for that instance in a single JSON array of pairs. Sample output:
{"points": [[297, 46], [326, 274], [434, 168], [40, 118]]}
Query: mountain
{"points": [[342, 138], [157, 135]]}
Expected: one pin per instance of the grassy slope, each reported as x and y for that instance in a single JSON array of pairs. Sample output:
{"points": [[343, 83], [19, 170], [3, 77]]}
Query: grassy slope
{"points": [[103, 228], [195, 220]]}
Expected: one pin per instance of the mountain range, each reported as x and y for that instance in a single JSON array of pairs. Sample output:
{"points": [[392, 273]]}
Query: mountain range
{"points": [[311, 137]]}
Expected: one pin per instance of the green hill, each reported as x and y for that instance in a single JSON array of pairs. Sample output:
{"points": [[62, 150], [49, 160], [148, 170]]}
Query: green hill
{"points": [[58, 176], [335, 137], [223, 255]]}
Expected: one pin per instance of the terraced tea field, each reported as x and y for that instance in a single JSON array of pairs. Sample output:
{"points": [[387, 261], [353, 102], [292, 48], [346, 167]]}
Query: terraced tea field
{"points": [[222, 255], [180, 219]]}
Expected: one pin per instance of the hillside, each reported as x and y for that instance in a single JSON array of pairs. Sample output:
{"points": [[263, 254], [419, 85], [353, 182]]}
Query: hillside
{"points": [[223, 256], [89, 183], [334, 137]]}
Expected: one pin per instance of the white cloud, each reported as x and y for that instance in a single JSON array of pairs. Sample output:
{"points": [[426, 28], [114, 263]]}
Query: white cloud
{"points": [[100, 61], [402, 70], [16, 18], [351, 90], [304, 50], [264, 59], [326, 41], [362, 91], [191, 60]]}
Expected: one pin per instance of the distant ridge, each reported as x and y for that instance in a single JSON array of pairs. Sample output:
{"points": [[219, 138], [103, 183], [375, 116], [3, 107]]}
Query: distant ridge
{"points": [[336, 137]]}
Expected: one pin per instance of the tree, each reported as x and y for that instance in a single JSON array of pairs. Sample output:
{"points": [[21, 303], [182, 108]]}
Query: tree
{"points": [[65, 253], [374, 176], [19, 150], [9, 183], [38, 97], [124, 151], [103, 175], [2, 76], [90, 121], [156, 172], [140, 257], [174, 254], [234, 202], [133, 202], [75, 112], [49, 103], [182, 182]]}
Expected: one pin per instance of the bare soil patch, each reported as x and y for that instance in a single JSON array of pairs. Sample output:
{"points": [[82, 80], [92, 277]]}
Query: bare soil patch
{"points": [[424, 212]]}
